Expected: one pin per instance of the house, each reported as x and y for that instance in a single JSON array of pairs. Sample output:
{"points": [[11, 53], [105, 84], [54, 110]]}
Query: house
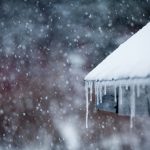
{"points": [[121, 82]]}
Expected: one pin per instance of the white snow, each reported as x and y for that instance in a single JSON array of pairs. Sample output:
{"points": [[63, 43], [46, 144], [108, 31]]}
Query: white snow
{"points": [[129, 60]]}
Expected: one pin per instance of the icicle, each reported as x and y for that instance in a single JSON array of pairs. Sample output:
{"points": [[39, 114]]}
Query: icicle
{"points": [[87, 103], [138, 90], [120, 95], [97, 93], [95, 86], [131, 121], [105, 89], [115, 93], [91, 89], [126, 86], [132, 99], [100, 92]]}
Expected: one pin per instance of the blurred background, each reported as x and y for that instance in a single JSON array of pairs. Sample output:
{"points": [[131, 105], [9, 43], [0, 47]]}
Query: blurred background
{"points": [[46, 49]]}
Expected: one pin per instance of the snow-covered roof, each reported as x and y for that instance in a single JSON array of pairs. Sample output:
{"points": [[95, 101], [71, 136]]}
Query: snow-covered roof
{"points": [[130, 60]]}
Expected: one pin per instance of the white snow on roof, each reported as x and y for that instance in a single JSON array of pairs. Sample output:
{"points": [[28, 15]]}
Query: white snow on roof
{"points": [[131, 59]]}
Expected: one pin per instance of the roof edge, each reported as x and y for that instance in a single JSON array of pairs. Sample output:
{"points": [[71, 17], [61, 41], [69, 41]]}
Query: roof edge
{"points": [[124, 81]]}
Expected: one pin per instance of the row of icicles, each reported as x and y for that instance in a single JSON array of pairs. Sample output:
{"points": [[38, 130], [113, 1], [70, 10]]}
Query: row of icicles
{"points": [[100, 89]]}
